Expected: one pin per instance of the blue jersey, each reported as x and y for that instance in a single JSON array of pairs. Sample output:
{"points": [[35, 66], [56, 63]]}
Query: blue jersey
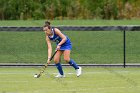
{"points": [[56, 38]]}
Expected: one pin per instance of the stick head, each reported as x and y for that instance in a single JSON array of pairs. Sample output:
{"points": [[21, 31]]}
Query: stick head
{"points": [[37, 75]]}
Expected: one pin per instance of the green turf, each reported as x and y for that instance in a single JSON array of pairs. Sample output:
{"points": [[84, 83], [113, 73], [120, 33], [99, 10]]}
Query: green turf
{"points": [[93, 80], [88, 47], [69, 22], [31, 47]]}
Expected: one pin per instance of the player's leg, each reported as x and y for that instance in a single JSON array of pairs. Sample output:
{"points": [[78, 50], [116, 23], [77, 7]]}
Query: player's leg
{"points": [[68, 60], [58, 64], [72, 62]]}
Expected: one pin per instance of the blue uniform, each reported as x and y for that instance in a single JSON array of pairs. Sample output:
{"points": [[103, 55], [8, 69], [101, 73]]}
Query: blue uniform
{"points": [[55, 38]]}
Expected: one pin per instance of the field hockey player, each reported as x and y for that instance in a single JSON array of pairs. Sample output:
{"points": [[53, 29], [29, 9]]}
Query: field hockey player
{"points": [[64, 47]]}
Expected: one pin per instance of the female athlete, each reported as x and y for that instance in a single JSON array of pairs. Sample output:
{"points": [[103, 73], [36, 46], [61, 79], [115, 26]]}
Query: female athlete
{"points": [[63, 47]]}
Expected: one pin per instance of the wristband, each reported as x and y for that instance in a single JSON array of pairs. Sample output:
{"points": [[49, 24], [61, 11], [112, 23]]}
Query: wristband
{"points": [[59, 45]]}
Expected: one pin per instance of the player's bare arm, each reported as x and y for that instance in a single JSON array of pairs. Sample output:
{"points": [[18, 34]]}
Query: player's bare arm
{"points": [[49, 48]]}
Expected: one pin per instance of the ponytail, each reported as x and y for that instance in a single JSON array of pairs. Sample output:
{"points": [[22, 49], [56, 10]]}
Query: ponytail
{"points": [[47, 24]]}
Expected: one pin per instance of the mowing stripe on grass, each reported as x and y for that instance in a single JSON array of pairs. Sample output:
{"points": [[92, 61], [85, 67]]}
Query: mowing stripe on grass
{"points": [[69, 73]]}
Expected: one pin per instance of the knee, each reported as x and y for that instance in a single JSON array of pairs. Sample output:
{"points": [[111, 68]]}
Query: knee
{"points": [[67, 59], [56, 61]]}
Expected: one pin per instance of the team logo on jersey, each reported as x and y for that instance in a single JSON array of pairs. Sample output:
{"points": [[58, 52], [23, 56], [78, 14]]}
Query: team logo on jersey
{"points": [[56, 39]]}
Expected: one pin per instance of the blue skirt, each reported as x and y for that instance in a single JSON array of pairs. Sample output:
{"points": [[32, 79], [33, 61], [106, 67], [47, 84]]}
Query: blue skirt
{"points": [[66, 47]]}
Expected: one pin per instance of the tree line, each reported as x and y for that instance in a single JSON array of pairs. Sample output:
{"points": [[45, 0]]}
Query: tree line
{"points": [[69, 9]]}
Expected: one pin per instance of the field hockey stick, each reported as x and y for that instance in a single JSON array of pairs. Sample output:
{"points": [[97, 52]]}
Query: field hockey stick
{"points": [[45, 66]]}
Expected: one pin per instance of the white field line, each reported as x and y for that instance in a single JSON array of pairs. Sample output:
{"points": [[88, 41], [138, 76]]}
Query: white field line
{"points": [[100, 72], [88, 89], [91, 89], [101, 81], [117, 87], [99, 88], [14, 81], [86, 72], [70, 81], [13, 73]]}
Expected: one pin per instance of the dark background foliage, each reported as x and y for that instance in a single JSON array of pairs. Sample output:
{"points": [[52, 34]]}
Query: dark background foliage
{"points": [[69, 9]]}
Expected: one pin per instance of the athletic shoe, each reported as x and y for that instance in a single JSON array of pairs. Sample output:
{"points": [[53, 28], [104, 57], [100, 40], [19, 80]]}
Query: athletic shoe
{"points": [[60, 76], [79, 71]]}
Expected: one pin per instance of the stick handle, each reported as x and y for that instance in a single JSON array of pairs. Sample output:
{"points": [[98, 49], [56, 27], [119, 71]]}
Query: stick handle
{"points": [[53, 55], [46, 65]]}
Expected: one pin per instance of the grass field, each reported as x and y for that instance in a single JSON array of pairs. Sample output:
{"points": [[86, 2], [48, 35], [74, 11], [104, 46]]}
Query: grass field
{"points": [[93, 80], [70, 22], [88, 47], [93, 47]]}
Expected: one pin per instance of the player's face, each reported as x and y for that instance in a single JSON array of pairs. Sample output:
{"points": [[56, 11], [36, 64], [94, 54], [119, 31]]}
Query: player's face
{"points": [[47, 30]]}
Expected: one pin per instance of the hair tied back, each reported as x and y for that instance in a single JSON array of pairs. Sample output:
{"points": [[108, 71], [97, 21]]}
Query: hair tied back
{"points": [[47, 23]]}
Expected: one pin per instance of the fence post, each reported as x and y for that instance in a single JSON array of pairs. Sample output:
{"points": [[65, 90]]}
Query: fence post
{"points": [[124, 47]]}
